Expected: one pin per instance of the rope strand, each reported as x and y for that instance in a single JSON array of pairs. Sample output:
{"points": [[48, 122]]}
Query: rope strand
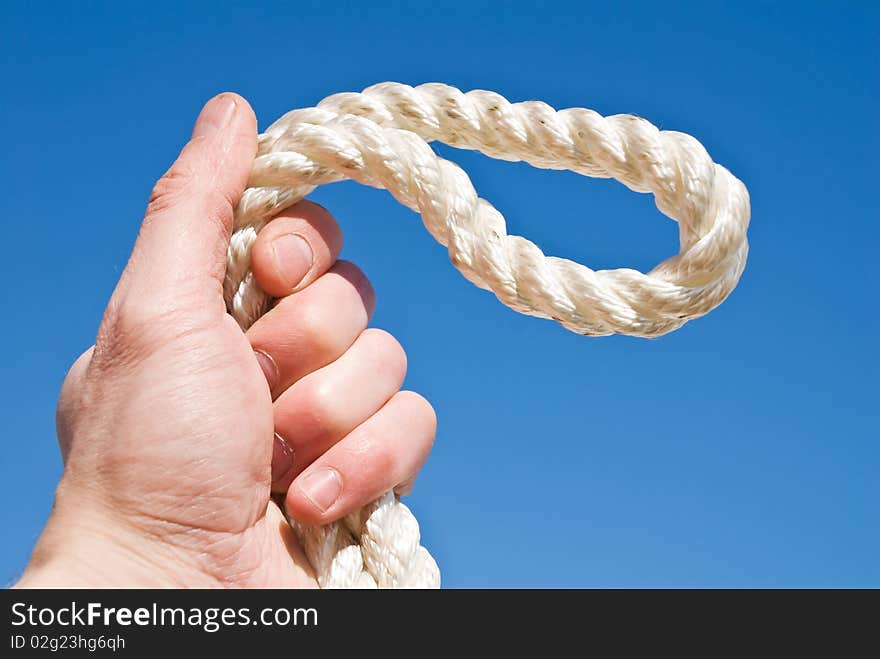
{"points": [[380, 138]]}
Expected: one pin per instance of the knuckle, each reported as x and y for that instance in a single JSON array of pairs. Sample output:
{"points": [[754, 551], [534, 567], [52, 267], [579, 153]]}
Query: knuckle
{"points": [[322, 221], [70, 400], [316, 327], [179, 182], [421, 410], [75, 374], [219, 205], [383, 457], [170, 188], [320, 403], [132, 321], [387, 355], [356, 277], [349, 270], [311, 210], [369, 448]]}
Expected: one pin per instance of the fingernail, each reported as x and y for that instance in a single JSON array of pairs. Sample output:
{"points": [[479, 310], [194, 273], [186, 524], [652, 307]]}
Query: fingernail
{"points": [[293, 258], [215, 116], [322, 487], [282, 464], [269, 367]]}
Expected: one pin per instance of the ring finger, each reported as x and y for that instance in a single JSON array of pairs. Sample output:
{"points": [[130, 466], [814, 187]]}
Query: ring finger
{"points": [[312, 327], [324, 406]]}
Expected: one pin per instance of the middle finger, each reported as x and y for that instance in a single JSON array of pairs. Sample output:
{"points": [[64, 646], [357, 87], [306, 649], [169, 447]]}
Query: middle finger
{"points": [[326, 405], [313, 327]]}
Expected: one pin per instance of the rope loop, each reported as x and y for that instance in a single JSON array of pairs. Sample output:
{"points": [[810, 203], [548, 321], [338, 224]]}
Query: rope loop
{"points": [[380, 137]]}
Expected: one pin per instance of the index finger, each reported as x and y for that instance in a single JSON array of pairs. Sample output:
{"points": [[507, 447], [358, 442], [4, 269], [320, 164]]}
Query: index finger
{"points": [[295, 248]]}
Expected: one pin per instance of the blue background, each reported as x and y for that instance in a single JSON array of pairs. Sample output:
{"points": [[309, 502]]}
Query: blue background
{"points": [[741, 450]]}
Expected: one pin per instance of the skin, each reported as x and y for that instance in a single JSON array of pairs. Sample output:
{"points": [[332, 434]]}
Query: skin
{"points": [[180, 433]]}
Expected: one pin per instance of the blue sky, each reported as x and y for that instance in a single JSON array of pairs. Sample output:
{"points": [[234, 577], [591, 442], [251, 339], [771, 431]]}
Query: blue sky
{"points": [[741, 450]]}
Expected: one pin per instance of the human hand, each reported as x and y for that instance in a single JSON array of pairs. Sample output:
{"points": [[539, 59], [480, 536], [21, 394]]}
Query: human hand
{"points": [[166, 425]]}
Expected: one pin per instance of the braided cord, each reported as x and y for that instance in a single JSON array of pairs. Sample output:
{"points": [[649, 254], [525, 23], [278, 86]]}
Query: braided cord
{"points": [[380, 138]]}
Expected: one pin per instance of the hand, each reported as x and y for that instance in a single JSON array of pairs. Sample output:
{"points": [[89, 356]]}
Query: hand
{"points": [[176, 426]]}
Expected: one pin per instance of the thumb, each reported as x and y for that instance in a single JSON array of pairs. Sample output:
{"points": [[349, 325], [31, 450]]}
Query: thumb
{"points": [[180, 252]]}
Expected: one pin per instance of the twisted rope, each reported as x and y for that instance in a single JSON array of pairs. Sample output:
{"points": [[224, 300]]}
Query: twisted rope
{"points": [[380, 138]]}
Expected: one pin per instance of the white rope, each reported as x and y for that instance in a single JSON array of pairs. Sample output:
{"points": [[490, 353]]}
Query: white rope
{"points": [[380, 138]]}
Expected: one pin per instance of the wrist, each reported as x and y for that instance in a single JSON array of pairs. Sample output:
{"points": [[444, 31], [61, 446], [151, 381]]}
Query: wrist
{"points": [[87, 547]]}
